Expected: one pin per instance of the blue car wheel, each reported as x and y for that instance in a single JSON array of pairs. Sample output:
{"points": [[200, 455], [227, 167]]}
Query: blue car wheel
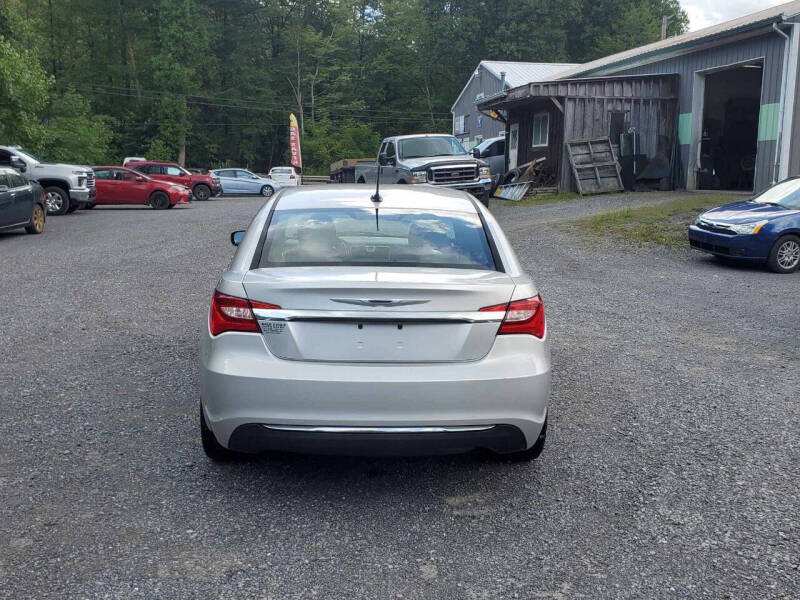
{"points": [[785, 254]]}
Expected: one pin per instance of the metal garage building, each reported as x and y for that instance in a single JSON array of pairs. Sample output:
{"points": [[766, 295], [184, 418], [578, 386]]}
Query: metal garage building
{"points": [[735, 94]]}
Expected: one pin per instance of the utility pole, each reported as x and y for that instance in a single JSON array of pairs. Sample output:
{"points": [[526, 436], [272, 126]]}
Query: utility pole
{"points": [[664, 22]]}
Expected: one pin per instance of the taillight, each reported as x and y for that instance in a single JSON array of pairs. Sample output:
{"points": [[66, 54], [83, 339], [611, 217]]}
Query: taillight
{"points": [[522, 316], [229, 313], [291, 176]]}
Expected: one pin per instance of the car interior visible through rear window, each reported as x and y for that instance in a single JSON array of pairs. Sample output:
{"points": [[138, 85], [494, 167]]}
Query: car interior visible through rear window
{"points": [[390, 237]]}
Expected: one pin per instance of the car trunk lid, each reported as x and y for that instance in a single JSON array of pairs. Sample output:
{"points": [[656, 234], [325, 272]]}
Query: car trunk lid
{"points": [[364, 314]]}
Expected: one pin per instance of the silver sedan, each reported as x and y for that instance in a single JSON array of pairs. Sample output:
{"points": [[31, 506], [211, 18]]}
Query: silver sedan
{"points": [[401, 325]]}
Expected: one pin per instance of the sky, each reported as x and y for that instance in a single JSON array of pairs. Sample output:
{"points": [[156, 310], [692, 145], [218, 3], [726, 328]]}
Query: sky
{"points": [[703, 13]]}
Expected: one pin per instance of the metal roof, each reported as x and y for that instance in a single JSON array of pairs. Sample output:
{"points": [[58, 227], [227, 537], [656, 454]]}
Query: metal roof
{"points": [[654, 51], [518, 73]]}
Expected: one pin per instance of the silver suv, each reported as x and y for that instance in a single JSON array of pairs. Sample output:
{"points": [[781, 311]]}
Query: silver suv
{"points": [[68, 187]]}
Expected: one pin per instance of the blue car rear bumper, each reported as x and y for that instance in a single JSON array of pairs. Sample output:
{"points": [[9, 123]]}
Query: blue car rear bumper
{"points": [[749, 247]]}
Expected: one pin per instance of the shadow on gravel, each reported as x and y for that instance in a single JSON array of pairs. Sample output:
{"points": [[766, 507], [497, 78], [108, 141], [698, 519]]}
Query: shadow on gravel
{"points": [[302, 477]]}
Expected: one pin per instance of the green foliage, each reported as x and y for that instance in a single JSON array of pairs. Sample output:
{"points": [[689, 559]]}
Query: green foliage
{"points": [[213, 81], [661, 224]]}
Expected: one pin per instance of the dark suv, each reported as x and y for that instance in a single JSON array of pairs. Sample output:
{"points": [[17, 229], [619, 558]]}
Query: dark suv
{"points": [[203, 186]]}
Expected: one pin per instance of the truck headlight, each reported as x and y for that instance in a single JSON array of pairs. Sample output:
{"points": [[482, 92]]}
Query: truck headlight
{"points": [[484, 172], [419, 177], [748, 228]]}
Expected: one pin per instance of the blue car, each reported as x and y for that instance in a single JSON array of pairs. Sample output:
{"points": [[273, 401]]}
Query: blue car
{"points": [[765, 229], [242, 181]]}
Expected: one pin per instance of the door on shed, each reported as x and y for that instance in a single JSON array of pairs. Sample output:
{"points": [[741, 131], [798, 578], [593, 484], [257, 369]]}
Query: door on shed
{"points": [[513, 144]]}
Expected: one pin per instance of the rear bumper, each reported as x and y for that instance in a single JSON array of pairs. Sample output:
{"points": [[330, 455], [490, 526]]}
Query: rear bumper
{"points": [[255, 437], [243, 387], [748, 247]]}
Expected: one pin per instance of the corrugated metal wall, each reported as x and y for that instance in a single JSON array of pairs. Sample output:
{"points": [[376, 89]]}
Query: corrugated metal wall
{"points": [[770, 47], [488, 84]]}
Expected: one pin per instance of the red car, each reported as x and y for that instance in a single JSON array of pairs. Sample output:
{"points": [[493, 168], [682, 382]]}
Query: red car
{"points": [[118, 185], [203, 186]]}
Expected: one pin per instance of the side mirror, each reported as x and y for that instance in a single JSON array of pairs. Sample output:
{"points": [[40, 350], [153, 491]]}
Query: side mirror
{"points": [[140, 179], [385, 160], [18, 164], [237, 237], [3, 188], [476, 153]]}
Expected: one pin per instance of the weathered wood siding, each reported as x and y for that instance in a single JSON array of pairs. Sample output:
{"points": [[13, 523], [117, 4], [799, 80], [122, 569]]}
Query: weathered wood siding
{"points": [[648, 106], [525, 151]]}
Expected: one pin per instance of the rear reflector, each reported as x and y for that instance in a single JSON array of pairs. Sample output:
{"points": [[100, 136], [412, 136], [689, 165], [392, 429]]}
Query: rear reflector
{"points": [[522, 316], [229, 313]]}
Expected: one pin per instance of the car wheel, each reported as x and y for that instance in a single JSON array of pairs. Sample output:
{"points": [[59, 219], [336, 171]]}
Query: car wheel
{"points": [[57, 200], [37, 220], [534, 451], [267, 191], [159, 200], [202, 192], [213, 449], [785, 254]]}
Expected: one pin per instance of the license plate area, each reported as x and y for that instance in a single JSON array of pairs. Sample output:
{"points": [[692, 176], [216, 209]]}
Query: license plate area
{"points": [[378, 340]]}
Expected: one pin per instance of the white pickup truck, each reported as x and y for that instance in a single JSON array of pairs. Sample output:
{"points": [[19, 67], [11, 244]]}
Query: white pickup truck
{"points": [[431, 158], [68, 187]]}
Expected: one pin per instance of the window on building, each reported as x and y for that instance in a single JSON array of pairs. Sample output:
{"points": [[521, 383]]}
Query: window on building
{"points": [[541, 130]]}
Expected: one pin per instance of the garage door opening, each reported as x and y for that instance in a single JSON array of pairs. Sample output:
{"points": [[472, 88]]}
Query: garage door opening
{"points": [[730, 128]]}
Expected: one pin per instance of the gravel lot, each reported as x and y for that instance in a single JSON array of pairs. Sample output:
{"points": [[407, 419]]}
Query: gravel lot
{"points": [[671, 469]]}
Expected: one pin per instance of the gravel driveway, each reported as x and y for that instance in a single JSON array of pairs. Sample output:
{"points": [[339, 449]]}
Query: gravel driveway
{"points": [[671, 469]]}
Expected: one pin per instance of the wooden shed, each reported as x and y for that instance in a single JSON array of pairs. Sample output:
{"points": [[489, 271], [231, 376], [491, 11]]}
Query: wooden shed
{"points": [[541, 118]]}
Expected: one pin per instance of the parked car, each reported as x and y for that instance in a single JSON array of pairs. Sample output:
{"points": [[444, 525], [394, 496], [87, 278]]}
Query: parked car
{"points": [[23, 203], [68, 187], [286, 176], [119, 185], [349, 326], [242, 181], [493, 153], [764, 229], [435, 159], [203, 186]]}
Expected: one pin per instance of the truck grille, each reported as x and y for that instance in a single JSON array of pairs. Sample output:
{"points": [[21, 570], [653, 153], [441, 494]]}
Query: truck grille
{"points": [[90, 179], [453, 174]]}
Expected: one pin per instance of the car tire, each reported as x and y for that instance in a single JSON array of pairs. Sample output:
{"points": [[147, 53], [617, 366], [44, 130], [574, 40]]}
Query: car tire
{"points": [[531, 453], [213, 449], [267, 191], [37, 220], [202, 192], [159, 200], [57, 200], [785, 254], [73, 206]]}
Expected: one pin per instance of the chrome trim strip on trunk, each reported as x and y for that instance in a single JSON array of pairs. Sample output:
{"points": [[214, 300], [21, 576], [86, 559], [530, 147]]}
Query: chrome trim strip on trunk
{"points": [[393, 317], [335, 429], [377, 302]]}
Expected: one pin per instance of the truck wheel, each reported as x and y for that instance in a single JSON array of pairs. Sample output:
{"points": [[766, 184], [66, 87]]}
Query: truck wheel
{"points": [[202, 191], [73, 206], [37, 220], [57, 200], [159, 200], [267, 191]]}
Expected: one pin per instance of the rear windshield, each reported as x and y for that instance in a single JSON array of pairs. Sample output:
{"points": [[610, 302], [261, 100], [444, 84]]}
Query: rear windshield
{"points": [[395, 237]]}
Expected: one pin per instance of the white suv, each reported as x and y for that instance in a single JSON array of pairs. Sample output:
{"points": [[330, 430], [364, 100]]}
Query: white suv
{"points": [[286, 176]]}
